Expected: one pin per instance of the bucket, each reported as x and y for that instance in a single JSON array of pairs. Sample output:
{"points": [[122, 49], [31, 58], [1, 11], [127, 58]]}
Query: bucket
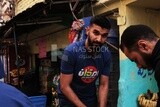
{"points": [[39, 101]]}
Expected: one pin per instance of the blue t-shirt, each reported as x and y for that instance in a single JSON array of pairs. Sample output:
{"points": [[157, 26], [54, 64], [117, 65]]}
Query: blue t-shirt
{"points": [[85, 69], [12, 97]]}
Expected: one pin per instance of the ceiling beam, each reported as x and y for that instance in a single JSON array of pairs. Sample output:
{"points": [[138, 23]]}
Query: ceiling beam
{"points": [[67, 1]]}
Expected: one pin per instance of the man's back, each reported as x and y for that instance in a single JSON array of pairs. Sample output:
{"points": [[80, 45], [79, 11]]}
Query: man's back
{"points": [[12, 97]]}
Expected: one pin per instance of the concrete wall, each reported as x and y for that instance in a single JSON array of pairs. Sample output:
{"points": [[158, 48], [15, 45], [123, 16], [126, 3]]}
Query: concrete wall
{"points": [[59, 38], [52, 34], [139, 15]]}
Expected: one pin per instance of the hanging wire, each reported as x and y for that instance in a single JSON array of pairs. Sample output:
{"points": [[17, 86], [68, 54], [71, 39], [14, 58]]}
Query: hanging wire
{"points": [[92, 9], [16, 53], [112, 45], [72, 9]]}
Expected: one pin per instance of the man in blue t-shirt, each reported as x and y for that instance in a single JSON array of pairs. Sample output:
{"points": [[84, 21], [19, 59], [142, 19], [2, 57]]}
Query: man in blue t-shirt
{"points": [[82, 63]]}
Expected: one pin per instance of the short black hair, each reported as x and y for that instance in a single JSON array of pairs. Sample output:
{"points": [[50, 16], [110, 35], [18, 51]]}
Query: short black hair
{"points": [[133, 33], [101, 21]]}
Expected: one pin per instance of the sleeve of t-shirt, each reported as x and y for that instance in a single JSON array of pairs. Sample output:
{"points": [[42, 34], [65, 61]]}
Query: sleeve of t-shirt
{"points": [[67, 62], [107, 63]]}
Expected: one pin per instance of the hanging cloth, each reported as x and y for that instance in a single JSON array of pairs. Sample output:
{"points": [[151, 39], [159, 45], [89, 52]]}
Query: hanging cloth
{"points": [[1, 69]]}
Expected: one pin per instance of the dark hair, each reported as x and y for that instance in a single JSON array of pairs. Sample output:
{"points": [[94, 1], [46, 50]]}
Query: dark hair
{"points": [[133, 33], [100, 21]]}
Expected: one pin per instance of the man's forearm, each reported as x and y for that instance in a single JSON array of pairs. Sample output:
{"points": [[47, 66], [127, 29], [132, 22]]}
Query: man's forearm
{"points": [[68, 92], [103, 92]]}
